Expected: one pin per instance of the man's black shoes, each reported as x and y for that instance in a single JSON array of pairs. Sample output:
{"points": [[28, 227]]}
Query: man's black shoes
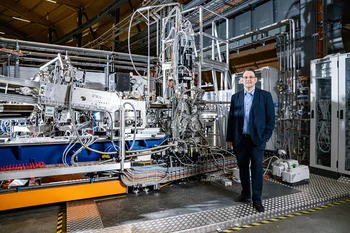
{"points": [[242, 198], [259, 207]]}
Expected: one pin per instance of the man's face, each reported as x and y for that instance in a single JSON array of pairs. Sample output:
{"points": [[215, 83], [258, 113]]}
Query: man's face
{"points": [[249, 80]]}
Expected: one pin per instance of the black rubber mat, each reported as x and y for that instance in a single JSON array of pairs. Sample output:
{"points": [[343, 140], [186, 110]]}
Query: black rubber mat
{"points": [[177, 199]]}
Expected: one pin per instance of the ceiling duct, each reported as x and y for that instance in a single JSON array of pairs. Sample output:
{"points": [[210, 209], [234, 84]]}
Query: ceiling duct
{"points": [[338, 27]]}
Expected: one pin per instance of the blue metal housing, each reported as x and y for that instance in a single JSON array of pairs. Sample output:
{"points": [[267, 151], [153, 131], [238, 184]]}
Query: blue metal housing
{"points": [[52, 154]]}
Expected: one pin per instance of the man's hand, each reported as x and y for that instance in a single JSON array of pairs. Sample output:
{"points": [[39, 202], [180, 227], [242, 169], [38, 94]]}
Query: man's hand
{"points": [[229, 145]]}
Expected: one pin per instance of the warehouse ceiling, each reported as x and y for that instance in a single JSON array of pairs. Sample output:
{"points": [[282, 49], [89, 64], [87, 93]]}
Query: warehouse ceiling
{"points": [[56, 21]]}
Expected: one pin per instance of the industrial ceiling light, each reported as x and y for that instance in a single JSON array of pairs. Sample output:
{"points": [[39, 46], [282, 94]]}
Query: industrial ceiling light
{"points": [[51, 1], [2, 33], [20, 19]]}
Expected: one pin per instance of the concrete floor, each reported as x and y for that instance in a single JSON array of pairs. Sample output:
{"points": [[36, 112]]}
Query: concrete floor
{"points": [[177, 199], [44, 219], [30, 220], [334, 219]]}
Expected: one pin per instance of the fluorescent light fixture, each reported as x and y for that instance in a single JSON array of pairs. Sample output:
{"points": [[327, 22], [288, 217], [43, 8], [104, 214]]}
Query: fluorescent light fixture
{"points": [[24, 20], [71, 40], [2, 33], [51, 1]]}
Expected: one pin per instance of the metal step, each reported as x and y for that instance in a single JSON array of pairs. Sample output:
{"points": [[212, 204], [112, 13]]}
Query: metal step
{"points": [[83, 215]]}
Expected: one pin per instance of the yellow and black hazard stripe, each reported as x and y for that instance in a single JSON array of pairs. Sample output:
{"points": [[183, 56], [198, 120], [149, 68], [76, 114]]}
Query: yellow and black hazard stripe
{"points": [[284, 217], [59, 228]]}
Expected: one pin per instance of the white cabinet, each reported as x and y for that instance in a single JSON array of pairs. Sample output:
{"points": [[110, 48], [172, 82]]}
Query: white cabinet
{"points": [[344, 114], [329, 133]]}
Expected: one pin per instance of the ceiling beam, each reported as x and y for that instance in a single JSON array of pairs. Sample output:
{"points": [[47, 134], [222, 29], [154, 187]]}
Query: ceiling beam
{"points": [[69, 3], [33, 17], [11, 31], [115, 4]]}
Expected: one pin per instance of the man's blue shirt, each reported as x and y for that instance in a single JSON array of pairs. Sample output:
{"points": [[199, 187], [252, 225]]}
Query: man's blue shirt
{"points": [[248, 100]]}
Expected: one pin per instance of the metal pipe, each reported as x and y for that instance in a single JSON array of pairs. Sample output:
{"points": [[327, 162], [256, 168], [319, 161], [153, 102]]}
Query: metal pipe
{"points": [[87, 64], [227, 57], [61, 48], [280, 55], [49, 63], [165, 81], [294, 56], [122, 135], [157, 33], [16, 108], [16, 67], [175, 49], [72, 58], [288, 67], [107, 86], [148, 61], [193, 4], [214, 37], [257, 31], [284, 53], [8, 65], [201, 46], [260, 30], [217, 102], [6, 88], [189, 10], [148, 24], [213, 28]]}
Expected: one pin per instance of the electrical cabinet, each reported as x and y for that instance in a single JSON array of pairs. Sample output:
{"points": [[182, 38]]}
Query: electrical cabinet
{"points": [[330, 114], [344, 114], [267, 80]]}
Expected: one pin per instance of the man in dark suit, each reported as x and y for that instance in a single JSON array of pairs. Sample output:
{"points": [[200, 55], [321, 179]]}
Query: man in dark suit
{"points": [[250, 124]]}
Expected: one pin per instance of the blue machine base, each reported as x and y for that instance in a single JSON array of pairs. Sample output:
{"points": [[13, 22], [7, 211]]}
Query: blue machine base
{"points": [[52, 154]]}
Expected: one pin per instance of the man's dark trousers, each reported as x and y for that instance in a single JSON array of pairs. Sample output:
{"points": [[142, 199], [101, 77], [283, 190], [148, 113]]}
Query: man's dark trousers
{"points": [[246, 151]]}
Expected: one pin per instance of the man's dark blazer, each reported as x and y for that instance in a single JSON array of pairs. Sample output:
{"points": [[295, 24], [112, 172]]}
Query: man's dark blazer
{"points": [[261, 118]]}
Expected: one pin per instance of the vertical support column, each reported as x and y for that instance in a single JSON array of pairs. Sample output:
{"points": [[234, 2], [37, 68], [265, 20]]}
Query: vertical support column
{"points": [[215, 81], [116, 20], [80, 22], [157, 36], [16, 68], [324, 28], [227, 86], [148, 59], [49, 35], [107, 75], [213, 29], [176, 52], [319, 18], [200, 46], [165, 78], [213, 72], [122, 135], [5, 69]]}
